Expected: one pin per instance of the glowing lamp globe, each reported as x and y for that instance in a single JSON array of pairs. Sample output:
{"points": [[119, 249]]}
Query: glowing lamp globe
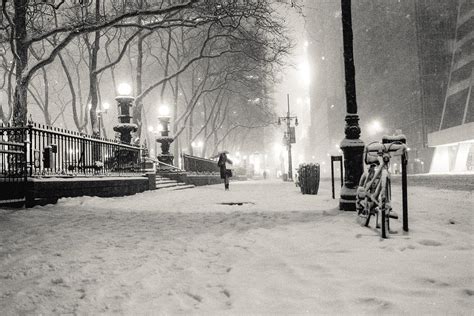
{"points": [[164, 110], [124, 89]]}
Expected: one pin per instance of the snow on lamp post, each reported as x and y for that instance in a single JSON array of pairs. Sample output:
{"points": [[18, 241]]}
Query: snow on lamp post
{"points": [[165, 139], [351, 145], [125, 102]]}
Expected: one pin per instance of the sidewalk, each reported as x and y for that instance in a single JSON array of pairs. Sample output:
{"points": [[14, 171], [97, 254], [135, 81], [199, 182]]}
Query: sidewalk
{"points": [[280, 252]]}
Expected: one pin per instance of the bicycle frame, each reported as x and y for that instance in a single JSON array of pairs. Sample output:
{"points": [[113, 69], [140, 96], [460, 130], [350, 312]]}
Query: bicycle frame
{"points": [[374, 192]]}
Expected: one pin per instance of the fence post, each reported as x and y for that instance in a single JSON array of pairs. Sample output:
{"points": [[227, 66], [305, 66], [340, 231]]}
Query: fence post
{"points": [[83, 153], [30, 132]]}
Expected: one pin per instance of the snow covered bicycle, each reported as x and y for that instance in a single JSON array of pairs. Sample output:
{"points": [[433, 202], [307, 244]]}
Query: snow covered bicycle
{"points": [[374, 191]]}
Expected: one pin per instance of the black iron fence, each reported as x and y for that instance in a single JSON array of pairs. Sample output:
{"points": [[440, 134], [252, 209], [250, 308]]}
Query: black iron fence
{"points": [[13, 154], [54, 151], [198, 164]]}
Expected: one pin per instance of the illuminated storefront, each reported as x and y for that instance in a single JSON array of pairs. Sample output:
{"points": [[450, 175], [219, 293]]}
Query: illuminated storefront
{"points": [[454, 149]]}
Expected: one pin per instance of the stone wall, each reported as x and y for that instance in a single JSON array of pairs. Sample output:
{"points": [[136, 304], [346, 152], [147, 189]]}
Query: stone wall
{"points": [[49, 190]]}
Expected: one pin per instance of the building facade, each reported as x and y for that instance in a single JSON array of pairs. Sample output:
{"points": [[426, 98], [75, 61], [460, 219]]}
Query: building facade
{"points": [[403, 53]]}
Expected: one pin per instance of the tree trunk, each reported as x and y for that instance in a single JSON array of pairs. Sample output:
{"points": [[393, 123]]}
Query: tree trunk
{"points": [[176, 144], [190, 134], [137, 109], [93, 77], [20, 97], [47, 116]]}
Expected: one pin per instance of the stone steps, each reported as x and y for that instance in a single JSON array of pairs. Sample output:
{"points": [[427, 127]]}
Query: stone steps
{"points": [[171, 185]]}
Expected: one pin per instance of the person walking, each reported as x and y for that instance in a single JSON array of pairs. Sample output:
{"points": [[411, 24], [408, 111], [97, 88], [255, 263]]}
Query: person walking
{"points": [[222, 163]]}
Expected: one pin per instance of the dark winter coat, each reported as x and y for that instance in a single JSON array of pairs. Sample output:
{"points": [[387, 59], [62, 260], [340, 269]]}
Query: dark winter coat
{"points": [[222, 165]]}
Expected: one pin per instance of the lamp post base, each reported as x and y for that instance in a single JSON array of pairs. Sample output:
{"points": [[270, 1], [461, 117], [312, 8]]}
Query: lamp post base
{"points": [[347, 201], [353, 150]]}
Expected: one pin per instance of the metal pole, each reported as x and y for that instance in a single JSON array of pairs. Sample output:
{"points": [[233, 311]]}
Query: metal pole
{"points": [[342, 175], [332, 178], [351, 145], [288, 121], [404, 193]]}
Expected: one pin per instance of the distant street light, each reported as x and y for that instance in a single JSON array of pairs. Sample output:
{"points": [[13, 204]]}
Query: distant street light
{"points": [[125, 102], [198, 146], [289, 136], [105, 108], [305, 72], [165, 140], [375, 127]]}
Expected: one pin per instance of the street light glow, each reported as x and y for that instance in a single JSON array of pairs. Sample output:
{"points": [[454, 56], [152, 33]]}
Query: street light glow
{"points": [[124, 89], [164, 110], [105, 106], [305, 72], [374, 127]]}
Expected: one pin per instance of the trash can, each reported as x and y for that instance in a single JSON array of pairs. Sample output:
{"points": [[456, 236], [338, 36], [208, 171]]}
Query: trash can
{"points": [[309, 176]]}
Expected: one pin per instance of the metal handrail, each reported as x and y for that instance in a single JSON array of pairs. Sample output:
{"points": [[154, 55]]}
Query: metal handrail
{"points": [[169, 166]]}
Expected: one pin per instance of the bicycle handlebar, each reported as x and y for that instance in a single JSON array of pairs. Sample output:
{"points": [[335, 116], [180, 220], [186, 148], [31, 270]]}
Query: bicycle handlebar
{"points": [[386, 148]]}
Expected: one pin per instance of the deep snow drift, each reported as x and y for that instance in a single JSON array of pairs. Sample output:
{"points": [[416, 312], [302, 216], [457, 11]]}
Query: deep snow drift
{"points": [[174, 252]]}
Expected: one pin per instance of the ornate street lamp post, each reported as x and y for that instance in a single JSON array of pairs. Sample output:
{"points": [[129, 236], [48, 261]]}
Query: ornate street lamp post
{"points": [[125, 102], [165, 139], [289, 136], [351, 146]]}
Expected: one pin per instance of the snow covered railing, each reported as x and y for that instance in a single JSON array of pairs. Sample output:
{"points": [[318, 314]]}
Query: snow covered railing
{"points": [[55, 151], [164, 166], [198, 164]]}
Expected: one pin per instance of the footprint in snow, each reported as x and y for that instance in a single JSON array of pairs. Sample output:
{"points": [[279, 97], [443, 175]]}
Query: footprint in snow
{"points": [[429, 242], [194, 296], [435, 282], [376, 302], [468, 292]]}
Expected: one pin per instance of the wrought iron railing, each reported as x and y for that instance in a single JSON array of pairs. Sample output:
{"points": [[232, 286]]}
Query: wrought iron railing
{"points": [[198, 164], [13, 154], [55, 151]]}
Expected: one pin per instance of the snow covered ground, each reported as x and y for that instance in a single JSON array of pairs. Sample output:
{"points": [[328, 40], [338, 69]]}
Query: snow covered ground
{"points": [[181, 252]]}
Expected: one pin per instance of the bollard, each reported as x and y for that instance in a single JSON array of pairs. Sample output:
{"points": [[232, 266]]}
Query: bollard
{"points": [[333, 159]]}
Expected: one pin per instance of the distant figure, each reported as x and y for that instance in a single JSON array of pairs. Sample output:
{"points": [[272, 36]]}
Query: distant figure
{"points": [[225, 173], [264, 175]]}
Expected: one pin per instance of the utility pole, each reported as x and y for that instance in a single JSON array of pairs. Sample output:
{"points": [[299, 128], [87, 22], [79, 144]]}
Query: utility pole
{"points": [[288, 131], [290, 137]]}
